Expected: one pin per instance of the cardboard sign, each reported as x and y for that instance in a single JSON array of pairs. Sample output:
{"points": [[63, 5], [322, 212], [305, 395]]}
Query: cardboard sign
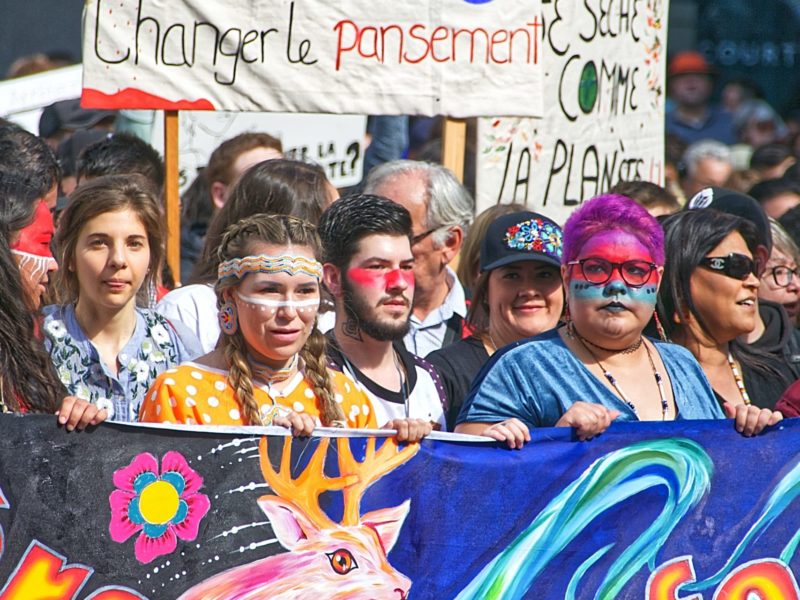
{"points": [[654, 511], [454, 57], [604, 110], [23, 98], [336, 142]]}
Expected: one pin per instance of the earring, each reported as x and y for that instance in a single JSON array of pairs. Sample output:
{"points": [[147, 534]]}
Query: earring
{"points": [[228, 319], [659, 327]]}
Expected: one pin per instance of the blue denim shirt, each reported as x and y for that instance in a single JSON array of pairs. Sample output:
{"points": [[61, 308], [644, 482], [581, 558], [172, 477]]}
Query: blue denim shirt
{"points": [[153, 348], [537, 380]]}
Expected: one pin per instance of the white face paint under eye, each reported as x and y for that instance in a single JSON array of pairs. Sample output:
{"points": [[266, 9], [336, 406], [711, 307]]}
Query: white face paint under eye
{"points": [[38, 265], [265, 303]]}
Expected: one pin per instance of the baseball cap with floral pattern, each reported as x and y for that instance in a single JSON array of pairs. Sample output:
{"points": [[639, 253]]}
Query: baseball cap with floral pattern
{"points": [[521, 236]]}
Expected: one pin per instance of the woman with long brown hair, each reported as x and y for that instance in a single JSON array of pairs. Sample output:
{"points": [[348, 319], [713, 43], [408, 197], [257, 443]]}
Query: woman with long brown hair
{"points": [[110, 244]]}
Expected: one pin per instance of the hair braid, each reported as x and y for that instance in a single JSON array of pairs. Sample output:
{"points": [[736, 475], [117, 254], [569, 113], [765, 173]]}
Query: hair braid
{"points": [[240, 376], [313, 353]]}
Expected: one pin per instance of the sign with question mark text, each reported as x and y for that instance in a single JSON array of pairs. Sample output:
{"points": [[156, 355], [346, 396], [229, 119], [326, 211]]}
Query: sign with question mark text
{"points": [[335, 142]]}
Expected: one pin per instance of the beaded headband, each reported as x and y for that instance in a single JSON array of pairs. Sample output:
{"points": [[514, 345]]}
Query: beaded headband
{"points": [[263, 263]]}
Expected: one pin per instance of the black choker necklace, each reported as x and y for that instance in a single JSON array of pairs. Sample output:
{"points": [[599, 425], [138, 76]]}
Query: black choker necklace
{"points": [[628, 350]]}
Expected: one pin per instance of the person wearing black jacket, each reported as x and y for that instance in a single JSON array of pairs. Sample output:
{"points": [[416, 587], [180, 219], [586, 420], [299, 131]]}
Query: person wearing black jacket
{"points": [[517, 295]]}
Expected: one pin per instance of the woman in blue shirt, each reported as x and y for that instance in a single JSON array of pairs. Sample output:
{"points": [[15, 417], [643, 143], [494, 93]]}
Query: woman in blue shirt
{"points": [[110, 246], [599, 367]]}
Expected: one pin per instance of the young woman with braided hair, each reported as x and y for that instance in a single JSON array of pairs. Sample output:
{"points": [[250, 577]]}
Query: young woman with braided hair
{"points": [[269, 367]]}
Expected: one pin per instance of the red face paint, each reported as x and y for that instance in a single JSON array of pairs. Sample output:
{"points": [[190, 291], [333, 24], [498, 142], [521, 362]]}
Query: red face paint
{"points": [[382, 279], [615, 247], [36, 237]]}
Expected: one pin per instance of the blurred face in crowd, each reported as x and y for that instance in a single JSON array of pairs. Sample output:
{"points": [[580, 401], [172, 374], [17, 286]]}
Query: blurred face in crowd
{"points": [[710, 172], [780, 283], [31, 250], [378, 286], [612, 294], [220, 191], [111, 261], [691, 89], [726, 303], [525, 299]]}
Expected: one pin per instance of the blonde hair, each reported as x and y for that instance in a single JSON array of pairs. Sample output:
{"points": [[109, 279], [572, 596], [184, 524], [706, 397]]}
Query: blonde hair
{"points": [[236, 242]]}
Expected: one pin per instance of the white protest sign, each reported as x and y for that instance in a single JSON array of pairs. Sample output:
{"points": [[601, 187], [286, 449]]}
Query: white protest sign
{"points": [[459, 58], [22, 99], [336, 142], [604, 116]]}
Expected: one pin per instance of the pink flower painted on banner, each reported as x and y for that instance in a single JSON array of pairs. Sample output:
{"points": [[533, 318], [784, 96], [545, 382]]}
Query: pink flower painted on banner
{"points": [[159, 507]]}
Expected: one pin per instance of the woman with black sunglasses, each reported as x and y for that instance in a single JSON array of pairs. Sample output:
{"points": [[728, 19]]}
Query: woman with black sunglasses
{"points": [[709, 299], [599, 367]]}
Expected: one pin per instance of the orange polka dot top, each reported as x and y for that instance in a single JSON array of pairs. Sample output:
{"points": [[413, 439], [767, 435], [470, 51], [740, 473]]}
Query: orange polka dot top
{"points": [[194, 394]]}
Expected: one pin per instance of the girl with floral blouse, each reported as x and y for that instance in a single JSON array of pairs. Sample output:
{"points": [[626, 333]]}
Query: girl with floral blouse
{"points": [[105, 348]]}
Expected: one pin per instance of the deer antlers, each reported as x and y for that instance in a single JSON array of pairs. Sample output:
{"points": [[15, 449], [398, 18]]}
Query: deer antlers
{"points": [[354, 476], [374, 466]]}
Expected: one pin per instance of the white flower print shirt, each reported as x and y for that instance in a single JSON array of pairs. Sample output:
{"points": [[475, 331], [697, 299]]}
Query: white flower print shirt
{"points": [[153, 348]]}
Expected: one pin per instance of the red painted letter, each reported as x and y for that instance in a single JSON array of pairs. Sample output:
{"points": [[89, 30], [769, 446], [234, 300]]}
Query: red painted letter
{"points": [[41, 574]]}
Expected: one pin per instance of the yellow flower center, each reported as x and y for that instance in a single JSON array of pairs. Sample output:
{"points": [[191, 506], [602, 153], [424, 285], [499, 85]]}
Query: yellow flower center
{"points": [[158, 502]]}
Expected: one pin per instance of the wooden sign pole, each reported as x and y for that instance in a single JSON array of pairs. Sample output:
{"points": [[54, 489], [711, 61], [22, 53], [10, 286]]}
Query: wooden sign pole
{"points": [[454, 147], [172, 193], [454, 144]]}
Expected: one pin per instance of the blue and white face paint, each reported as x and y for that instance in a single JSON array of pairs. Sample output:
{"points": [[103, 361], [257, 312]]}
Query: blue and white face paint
{"points": [[614, 309]]}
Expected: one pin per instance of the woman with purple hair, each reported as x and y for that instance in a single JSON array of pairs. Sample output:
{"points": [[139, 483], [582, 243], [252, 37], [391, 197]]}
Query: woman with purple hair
{"points": [[599, 367]]}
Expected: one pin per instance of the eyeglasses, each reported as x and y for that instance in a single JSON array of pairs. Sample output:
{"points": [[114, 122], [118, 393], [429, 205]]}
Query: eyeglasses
{"points": [[735, 266], [598, 270], [782, 275], [418, 238]]}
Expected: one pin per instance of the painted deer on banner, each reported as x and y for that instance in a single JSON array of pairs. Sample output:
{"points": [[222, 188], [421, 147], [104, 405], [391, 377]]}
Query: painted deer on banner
{"points": [[325, 559]]}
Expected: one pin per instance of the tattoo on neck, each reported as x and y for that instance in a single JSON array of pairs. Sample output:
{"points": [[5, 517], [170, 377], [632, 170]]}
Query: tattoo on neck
{"points": [[350, 329]]}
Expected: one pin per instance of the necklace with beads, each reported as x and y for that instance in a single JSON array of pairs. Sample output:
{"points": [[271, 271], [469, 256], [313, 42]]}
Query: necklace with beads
{"points": [[613, 380], [739, 382], [270, 375]]}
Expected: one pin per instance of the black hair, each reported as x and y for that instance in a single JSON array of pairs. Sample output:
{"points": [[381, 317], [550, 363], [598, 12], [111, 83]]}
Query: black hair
{"points": [[27, 376], [29, 157], [769, 155], [688, 237], [769, 188], [790, 221], [647, 194], [122, 154], [277, 186], [350, 219]]}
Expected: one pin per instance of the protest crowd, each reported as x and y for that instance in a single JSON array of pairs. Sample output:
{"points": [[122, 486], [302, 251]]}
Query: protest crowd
{"points": [[301, 305]]}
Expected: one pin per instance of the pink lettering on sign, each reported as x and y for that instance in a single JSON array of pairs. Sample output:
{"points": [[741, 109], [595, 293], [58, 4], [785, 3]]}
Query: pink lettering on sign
{"points": [[413, 43]]}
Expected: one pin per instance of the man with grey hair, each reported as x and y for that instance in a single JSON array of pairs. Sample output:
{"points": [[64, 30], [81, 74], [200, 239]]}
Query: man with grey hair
{"points": [[441, 211], [708, 163]]}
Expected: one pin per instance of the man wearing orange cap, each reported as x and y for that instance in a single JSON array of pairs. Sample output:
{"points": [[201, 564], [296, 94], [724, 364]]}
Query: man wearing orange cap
{"points": [[692, 118]]}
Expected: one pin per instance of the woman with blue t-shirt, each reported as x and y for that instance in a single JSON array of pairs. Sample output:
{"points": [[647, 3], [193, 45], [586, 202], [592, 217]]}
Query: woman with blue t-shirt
{"points": [[599, 367], [110, 245]]}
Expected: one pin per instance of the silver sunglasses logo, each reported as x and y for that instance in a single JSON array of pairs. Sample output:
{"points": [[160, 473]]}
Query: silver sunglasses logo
{"points": [[717, 264]]}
